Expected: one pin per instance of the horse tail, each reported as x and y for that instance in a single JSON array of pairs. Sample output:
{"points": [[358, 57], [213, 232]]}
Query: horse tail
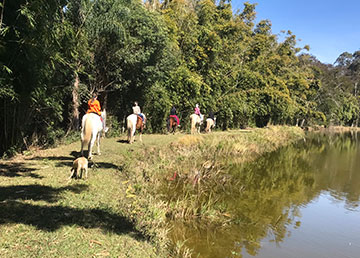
{"points": [[128, 126], [103, 116], [207, 125], [131, 126], [193, 123], [87, 131]]}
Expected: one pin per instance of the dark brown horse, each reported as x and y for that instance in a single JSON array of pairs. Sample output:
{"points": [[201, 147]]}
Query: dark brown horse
{"points": [[172, 124]]}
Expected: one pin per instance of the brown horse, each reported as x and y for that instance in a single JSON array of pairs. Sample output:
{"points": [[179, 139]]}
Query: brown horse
{"points": [[134, 122], [172, 124]]}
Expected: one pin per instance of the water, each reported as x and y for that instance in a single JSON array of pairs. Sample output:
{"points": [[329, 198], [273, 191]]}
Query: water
{"points": [[301, 201]]}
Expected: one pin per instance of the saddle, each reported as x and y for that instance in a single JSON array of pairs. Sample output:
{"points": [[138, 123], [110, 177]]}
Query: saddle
{"points": [[96, 114], [143, 119], [139, 117], [176, 118]]}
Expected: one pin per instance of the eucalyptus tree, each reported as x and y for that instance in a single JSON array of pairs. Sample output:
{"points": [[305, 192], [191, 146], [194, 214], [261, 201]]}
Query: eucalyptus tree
{"points": [[76, 61], [340, 100], [335, 98]]}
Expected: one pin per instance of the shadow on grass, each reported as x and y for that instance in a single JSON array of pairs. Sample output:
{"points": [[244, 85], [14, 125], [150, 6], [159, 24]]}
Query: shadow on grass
{"points": [[15, 169], [67, 161], [92, 164], [53, 158], [123, 141], [37, 192], [51, 218]]}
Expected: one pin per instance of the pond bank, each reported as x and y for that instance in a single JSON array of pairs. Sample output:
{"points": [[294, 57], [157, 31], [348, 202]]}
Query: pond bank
{"points": [[180, 179], [123, 209]]}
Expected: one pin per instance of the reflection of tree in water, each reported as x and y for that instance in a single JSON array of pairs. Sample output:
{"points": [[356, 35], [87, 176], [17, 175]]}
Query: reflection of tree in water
{"points": [[338, 166], [260, 200], [274, 187], [263, 198]]}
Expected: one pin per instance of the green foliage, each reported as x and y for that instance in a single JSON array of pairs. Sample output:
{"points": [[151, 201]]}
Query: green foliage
{"points": [[157, 108], [175, 53]]}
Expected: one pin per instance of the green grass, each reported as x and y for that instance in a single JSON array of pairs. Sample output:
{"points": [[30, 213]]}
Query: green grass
{"points": [[123, 209]]}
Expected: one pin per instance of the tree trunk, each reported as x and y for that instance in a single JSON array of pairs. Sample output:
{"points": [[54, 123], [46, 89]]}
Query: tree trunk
{"points": [[105, 95], [75, 104]]}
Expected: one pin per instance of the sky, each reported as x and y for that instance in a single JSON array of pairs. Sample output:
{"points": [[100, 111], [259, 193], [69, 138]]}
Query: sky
{"points": [[329, 27]]}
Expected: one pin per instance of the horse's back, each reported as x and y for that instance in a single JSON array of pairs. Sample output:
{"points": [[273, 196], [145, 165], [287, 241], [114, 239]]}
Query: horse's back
{"points": [[195, 119], [131, 120], [91, 124]]}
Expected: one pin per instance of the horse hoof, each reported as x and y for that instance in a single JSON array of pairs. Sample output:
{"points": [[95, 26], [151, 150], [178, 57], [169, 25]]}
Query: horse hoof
{"points": [[99, 153], [90, 158]]}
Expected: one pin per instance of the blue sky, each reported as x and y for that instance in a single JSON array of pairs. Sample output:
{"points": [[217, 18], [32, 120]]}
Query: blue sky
{"points": [[329, 27]]}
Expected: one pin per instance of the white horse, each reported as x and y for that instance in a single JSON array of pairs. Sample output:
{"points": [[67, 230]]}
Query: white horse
{"points": [[196, 122], [91, 127], [133, 123], [210, 124]]}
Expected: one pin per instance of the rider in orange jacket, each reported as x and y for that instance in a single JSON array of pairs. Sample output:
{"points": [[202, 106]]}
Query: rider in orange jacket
{"points": [[94, 105]]}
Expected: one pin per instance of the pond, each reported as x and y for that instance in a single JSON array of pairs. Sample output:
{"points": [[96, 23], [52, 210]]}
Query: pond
{"points": [[300, 201]]}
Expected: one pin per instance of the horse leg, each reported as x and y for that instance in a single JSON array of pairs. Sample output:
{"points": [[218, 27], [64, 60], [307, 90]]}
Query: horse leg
{"points": [[133, 134], [91, 144], [140, 134], [82, 144], [98, 143], [82, 135], [82, 148], [129, 135]]}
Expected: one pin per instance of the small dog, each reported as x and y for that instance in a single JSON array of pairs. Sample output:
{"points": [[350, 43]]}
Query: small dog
{"points": [[79, 165]]}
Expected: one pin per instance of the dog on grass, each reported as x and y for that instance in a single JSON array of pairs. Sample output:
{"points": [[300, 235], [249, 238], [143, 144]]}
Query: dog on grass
{"points": [[79, 165]]}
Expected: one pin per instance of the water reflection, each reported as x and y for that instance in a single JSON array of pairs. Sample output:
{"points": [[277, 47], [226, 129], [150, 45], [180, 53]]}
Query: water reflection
{"points": [[271, 195]]}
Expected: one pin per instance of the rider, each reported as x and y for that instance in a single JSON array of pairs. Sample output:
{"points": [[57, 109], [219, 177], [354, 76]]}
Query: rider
{"points": [[197, 111], [173, 114], [94, 107], [137, 111], [211, 115]]}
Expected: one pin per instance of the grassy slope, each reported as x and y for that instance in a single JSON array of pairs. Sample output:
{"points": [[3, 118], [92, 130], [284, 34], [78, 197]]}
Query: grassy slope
{"points": [[44, 214]]}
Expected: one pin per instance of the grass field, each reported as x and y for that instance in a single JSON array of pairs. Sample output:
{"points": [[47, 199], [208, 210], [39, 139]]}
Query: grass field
{"points": [[120, 210]]}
